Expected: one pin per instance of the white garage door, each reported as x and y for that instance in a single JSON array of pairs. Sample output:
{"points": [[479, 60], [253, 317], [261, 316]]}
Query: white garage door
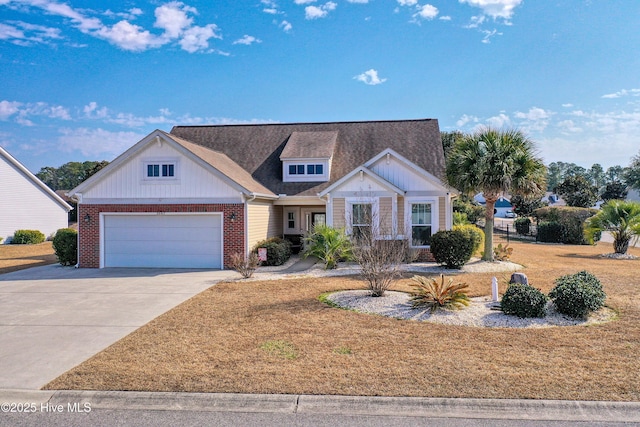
{"points": [[169, 241]]}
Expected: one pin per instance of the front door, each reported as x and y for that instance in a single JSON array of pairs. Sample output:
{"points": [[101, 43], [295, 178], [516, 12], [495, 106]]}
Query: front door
{"points": [[318, 218]]}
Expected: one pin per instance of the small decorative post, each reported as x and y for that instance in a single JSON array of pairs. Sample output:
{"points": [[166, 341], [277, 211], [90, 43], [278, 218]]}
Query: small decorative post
{"points": [[494, 289]]}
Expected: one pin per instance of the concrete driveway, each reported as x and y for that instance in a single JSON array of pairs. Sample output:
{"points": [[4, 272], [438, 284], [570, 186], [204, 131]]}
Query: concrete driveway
{"points": [[52, 318]]}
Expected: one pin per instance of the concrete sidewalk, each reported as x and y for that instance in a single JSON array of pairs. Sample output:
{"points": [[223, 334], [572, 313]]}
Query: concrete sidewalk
{"points": [[505, 409], [53, 318]]}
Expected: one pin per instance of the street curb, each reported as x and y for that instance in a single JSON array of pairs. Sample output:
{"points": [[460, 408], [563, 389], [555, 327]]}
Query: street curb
{"points": [[506, 409]]}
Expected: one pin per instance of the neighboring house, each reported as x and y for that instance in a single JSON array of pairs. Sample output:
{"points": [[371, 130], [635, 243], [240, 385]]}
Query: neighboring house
{"points": [[26, 203], [502, 206], [193, 197]]}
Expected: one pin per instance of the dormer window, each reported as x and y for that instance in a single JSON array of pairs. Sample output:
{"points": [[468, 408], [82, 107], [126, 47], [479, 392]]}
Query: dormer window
{"points": [[307, 156]]}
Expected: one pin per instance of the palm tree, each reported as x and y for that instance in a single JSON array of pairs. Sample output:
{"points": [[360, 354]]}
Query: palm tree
{"points": [[618, 217], [494, 162]]}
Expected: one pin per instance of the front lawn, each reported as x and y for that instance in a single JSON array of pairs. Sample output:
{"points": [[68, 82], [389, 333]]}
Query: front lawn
{"points": [[19, 257], [277, 337]]}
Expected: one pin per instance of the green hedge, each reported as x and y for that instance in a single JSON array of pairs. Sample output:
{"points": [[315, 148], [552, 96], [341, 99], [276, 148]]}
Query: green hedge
{"points": [[27, 237], [571, 220], [452, 248], [576, 295], [65, 245], [551, 232], [523, 226], [278, 250], [524, 301]]}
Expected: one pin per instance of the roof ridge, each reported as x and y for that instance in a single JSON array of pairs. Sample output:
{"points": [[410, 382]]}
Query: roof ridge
{"points": [[303, 123]]}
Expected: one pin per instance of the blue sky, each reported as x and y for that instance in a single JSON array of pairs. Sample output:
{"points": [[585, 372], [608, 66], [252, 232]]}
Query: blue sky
{"points": [[83, 81]]}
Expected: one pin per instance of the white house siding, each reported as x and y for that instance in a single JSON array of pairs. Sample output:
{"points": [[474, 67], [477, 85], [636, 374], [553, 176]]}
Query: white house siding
{"points": [[192, 183], [264, 220], [400, 175], [25, 205]]}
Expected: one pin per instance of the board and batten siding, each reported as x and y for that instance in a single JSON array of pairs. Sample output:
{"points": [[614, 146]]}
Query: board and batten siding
{"points": [[24, 205], [264, 220], [397, 173], [192, 181]]}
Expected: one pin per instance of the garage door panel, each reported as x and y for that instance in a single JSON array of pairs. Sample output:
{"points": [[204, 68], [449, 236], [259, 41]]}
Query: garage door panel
{"points": [[173, 241]]}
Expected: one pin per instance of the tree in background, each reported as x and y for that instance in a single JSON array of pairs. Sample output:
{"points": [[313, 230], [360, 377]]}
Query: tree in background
{"points": [[596, 175], [494, 162], [448, 140], [577, 191], [525, 205], [615, 190], [632, 173], [69, 175]]}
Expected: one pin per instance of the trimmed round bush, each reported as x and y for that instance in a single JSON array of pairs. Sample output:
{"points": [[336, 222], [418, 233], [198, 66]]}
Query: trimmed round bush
{"points": [[524, 301], [551, 232], [452, 248], [65, 245], [278, 250], [576, 295], [475, 233], [27, 237], [523, 226]]}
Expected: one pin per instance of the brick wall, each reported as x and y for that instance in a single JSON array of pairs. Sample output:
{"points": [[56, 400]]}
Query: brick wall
{"points": [[89, 232]]}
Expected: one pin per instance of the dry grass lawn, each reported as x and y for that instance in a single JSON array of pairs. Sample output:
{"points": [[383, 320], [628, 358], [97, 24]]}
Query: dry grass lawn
{"points": [[277, 337], [18, 257]]}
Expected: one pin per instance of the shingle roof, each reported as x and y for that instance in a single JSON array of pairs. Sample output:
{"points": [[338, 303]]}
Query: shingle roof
{"points": [[317, 145], [257, 148], [224, 164]]}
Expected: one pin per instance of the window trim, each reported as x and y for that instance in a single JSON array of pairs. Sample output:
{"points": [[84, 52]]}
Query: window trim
{"points": [[161, 163], [409, 201], [298, 170], [375, 213]]}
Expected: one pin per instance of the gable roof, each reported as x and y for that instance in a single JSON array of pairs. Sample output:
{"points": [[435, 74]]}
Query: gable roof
{"points": [[258, 148], [216, 162], [34, 179]]}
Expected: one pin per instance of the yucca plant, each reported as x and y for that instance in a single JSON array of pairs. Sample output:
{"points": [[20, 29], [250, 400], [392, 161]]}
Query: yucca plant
{"points": [[434, 294]]}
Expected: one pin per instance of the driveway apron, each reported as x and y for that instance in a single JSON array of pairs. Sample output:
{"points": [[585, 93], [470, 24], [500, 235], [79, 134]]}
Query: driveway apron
{"points": [[52, 318]]}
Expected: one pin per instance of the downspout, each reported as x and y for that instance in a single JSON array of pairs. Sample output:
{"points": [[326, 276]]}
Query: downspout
{"points": [[78, 198], [328, 208]]}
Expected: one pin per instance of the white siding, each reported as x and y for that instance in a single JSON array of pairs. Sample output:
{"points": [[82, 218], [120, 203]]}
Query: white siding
{"points": [[362, 185], [24, 205], [264, 220], [192, 181], [401, 176]]}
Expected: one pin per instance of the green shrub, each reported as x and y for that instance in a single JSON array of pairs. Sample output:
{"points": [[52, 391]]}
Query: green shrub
{"points": [[523, 226], [27, 237], [331, 245], [475, 233], [551, 232], [576, 295], [524, 301], [452, 248], [65, 245], [460, 218], [278, 250], [570, 218]]}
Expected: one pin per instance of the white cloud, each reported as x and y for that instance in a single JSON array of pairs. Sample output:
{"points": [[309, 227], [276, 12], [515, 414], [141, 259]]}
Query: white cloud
{"points": [[130, 37], [173, 19], [92, 111], [488, 35], [622, 93], [25, 34], [304, 1], [445, 18], [465, 118], [286, 26], [315, 12], [426, 11], [197, 38], [569, 126], [499, 121], [358, 1], [8, 109], [495, 8], [568, 105], [370, 77], [96, 142], [247, 40], [534, 113], [407, 2]]}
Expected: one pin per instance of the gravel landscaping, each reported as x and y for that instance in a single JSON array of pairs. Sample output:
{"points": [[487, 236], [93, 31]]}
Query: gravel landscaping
{"points": [[481, 312]]}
